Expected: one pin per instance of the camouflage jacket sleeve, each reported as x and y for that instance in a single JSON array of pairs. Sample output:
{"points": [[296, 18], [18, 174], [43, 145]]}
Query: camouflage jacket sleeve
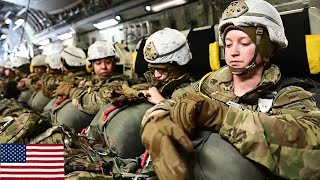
{"points": [[287, 141], [91, 99], [49, 83], [182, 92], [33, 84]]}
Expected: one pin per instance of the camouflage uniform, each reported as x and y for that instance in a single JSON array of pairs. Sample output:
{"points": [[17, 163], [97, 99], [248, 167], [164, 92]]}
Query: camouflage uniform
{"points": [[33, 83], [84, 99], [290, 128], [92, 94], [50, 82]]}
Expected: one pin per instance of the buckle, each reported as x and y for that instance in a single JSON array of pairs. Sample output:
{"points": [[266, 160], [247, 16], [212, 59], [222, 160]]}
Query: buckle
{"points": [[259, 31]]}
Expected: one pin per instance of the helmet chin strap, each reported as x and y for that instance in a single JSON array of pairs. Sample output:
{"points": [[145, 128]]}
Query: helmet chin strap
{"points": [[253, 64]]}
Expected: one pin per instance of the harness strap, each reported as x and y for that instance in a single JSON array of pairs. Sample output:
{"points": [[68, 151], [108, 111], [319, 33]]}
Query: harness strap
{"points": [[59, 101]]}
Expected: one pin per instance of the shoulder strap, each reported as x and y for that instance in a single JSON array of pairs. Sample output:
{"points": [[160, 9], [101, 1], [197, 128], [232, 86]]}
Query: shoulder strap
{"points": [[293, 81], [307, 84], [201, 82]]}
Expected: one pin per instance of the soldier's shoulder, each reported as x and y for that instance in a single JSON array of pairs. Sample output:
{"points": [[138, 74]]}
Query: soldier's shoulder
{"points": [[293, 96]]}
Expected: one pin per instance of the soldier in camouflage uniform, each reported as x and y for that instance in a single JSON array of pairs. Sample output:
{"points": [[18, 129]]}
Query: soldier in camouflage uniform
{"points": [[8, 84], [17, 122], [38, 79], [38, 65], [278, 130], [50, 81], [167, 73], [22, 70], [71, 62], [73, 67], [93, 92]]}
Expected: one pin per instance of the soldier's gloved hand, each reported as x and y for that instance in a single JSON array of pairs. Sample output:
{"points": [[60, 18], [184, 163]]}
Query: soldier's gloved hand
{"points": [[161, 137], [196, 112], [63, 89], [33, 75], [21, 84]]}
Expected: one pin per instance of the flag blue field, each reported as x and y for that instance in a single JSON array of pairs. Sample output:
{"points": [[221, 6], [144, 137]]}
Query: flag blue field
{"points": [[31, 161]]}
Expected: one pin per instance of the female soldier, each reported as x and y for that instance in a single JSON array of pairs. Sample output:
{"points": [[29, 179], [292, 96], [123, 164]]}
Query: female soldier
{"points": [[51, 79], [8, 85], [22, 70], [93, 92], [38, 67], [279, 130]]}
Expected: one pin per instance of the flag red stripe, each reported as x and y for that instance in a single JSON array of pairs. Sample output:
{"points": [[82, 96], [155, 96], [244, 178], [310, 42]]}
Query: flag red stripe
{"points": [[58, 145], [32, 167]]}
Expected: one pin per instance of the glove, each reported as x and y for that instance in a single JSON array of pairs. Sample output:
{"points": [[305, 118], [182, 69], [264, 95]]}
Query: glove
{"points": [[21, 85], [124, 94], [63, 89], [33, 75], [160, 137], [131, 93], [196, 112]]}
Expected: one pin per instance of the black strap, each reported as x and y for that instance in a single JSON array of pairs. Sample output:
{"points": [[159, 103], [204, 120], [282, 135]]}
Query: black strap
{"points": [[307, 84], [293, 81]]}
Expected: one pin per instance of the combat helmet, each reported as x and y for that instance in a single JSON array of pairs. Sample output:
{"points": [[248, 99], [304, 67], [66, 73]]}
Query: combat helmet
{"points": [[102, 49], [73, 56], [263, 24], [39, 60], [21, 65], [3, 63], [167, 49], [20, 61], [54, 61], [167, 46], [8, 65]]}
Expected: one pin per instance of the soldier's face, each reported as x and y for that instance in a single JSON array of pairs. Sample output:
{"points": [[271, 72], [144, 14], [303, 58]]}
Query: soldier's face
{"points": [[160, 74], [63, 69], [8, 72], [239, 49], [103, 67], [39, 69], [18, 72]]}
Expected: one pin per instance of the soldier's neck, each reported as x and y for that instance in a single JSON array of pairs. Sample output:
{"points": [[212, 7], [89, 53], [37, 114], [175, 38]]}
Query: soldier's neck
{"points": [[245, 83]]}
